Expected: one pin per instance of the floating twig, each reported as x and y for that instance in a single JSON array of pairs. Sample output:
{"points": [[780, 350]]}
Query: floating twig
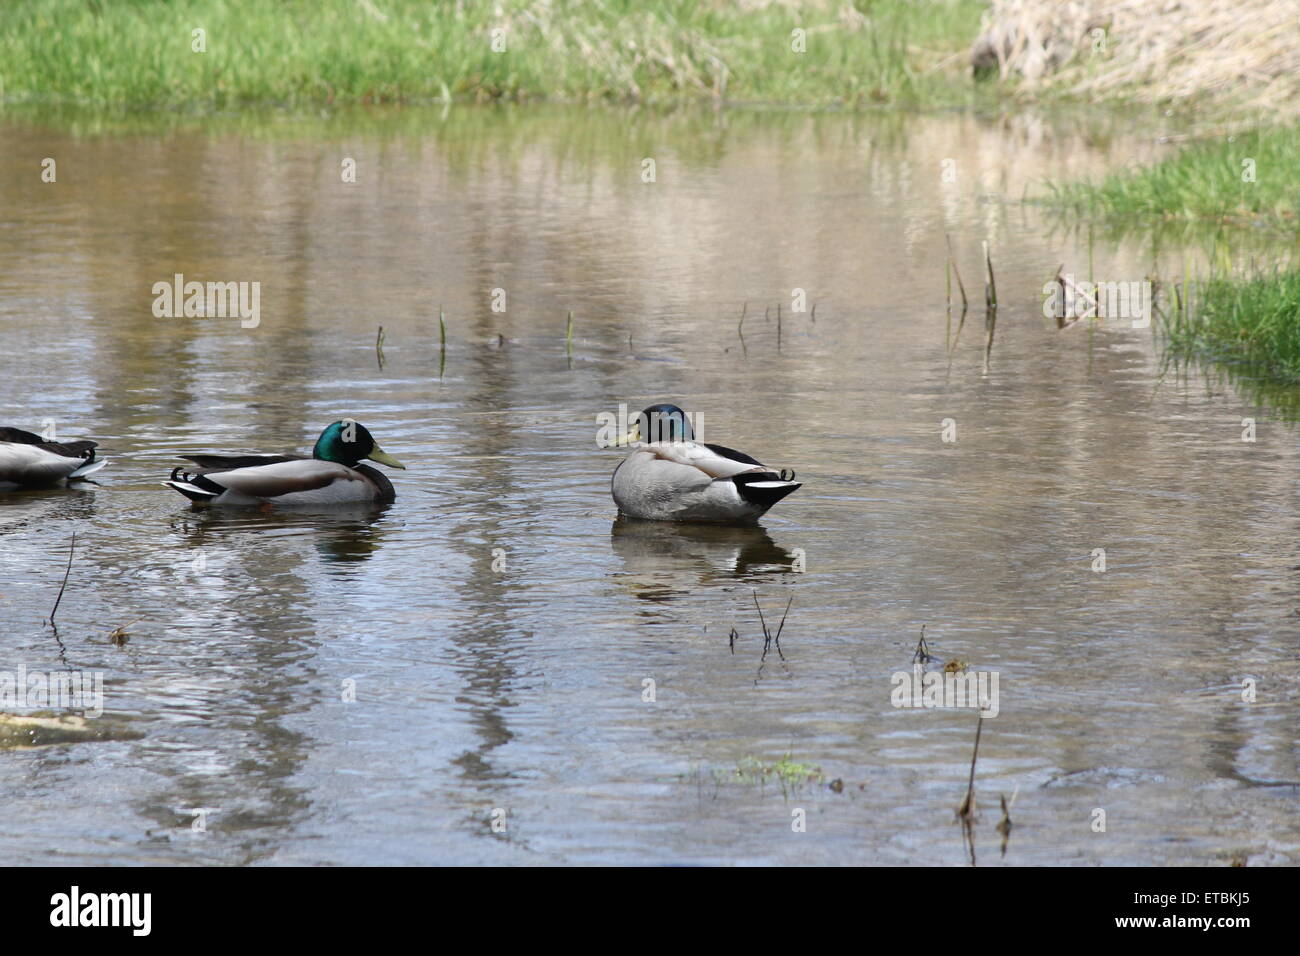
{"points": [[442, 342], [961, 324], [966, 812], [1091, 276], [1004, 825], [740, 328], [1068, 285], [990, 283], [119, 635], [922, 654], [568, 338], [72, 547], [379, 347], [967, 809], [991, 324], [781, 627], [961, 286], [950, 270], [768, 638], [990, 305]]}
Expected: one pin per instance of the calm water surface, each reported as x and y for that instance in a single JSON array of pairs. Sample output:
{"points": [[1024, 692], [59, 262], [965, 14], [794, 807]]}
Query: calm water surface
{"points": [[520, 687]]}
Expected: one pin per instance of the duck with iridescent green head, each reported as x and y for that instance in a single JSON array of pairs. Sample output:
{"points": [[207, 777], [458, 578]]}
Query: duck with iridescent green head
{"points": [[333, 475]]}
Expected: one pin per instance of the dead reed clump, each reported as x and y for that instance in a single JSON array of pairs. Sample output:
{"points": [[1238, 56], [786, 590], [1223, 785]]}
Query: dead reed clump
{"points": [[1243, 53]]}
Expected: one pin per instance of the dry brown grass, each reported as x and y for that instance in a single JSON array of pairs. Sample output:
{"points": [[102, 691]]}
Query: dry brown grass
{"points": [[1233, 53]]}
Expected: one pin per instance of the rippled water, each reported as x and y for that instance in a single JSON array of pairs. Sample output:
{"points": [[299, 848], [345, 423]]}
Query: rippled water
{"points": [[521, 687]]}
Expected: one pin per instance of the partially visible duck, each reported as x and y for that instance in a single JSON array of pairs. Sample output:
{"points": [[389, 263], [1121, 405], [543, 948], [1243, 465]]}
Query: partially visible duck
{"points": [[29, 461], [333, 475]]}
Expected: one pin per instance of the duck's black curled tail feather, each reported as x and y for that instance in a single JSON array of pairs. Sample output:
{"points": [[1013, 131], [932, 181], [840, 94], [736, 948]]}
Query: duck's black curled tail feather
{"points": [[194, 487], [764, 489]]}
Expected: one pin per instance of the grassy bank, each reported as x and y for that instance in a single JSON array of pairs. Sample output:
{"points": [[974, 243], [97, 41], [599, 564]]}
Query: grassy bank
{"points": [[139, 53], [1250, 322], [1244, 179]]}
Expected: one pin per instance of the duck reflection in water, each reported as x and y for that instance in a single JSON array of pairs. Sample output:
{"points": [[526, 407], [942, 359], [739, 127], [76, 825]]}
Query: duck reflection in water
{"points": [[662, 560], [341, 535]]}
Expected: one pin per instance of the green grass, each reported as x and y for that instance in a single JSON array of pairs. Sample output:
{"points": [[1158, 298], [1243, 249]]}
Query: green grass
{"points": [[1203, 183], [1246, 324], [1251, 324], [137, 53]]}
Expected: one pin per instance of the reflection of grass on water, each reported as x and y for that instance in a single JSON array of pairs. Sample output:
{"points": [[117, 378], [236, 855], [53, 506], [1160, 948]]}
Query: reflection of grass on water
{"points": [[326, 51], [1254, 387]]}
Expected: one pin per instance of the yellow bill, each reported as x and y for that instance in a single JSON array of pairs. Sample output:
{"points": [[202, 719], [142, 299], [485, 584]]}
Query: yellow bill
{"points": [[633, 435], [381, 456]]}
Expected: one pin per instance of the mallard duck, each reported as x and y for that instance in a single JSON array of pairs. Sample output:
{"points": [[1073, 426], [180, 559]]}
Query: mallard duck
{"points": [[29, 461], [333, 475], [675, 478]]}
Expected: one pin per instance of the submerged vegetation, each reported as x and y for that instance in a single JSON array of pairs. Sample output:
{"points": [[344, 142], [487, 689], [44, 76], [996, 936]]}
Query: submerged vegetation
{"points": [[223, 53], [787, 773]]}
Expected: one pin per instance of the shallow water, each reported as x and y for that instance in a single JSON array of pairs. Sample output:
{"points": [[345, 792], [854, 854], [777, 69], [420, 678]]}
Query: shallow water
{"points": [[521, 687]]}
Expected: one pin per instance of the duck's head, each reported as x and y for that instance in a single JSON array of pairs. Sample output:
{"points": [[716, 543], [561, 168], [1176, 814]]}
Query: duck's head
{"points": [[661, 422], [347, 442]]}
